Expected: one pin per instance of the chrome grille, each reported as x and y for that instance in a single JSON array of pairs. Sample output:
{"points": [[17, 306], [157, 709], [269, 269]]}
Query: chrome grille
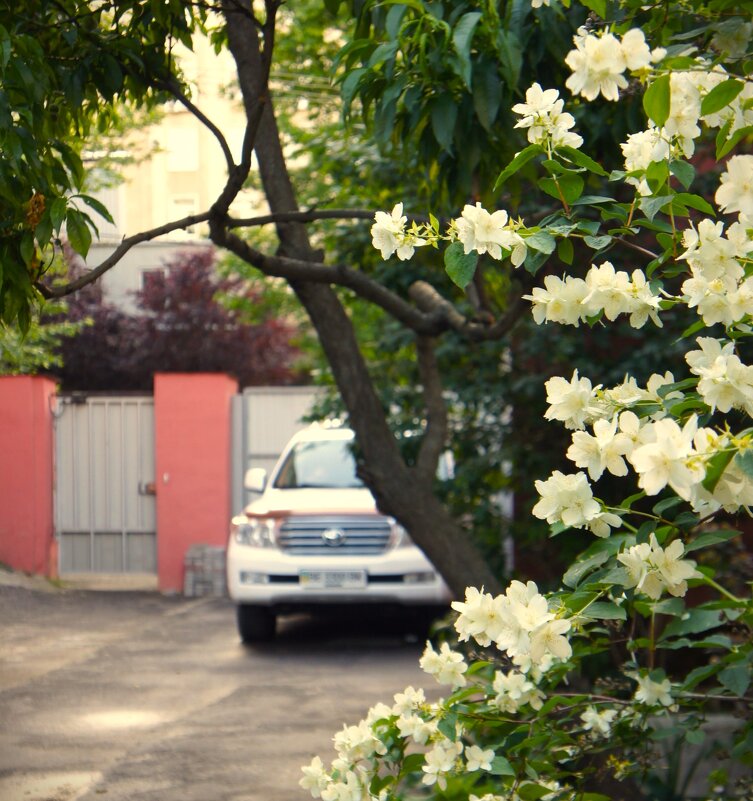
{"points": [[363, 535]]}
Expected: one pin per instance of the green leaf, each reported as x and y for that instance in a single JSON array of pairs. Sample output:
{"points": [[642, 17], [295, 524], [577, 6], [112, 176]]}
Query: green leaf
{"points": [[699, 674], [736, 678], [510, 55], [715, 467], [57, 212], [581, 159], [720, 96], [710, 538], [597, 242], [462, 37], [27, 247], [656, 100], [567, 187], [448, 726], [78, 232], [683, 171], [532, 792], [487, 93], [412, 764], [460, 266], [565, 250], [696, 621], [724, 147], [444, 114], [602, 610], [98, 206], [744, 460], [520, 160], [695, 202], [501, 767], [651, 205], [580, 569], [542, 241], [597, 6]]}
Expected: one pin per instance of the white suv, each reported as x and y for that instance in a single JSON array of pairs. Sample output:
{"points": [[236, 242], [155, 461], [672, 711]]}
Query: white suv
{"points": [[314, 539]]}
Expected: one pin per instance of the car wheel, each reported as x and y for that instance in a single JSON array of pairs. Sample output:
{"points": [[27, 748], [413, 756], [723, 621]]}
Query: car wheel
{"points": [[256, 623]]}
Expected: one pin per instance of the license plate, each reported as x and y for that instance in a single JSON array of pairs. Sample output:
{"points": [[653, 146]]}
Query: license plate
{"points": [[333, 579]]}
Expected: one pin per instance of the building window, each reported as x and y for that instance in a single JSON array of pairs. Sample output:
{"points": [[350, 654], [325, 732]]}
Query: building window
{"points": [[179, 206], [152, 278]]}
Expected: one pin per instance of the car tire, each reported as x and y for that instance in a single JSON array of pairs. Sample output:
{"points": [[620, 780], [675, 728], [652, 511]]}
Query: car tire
{"points": [[256, 623]]}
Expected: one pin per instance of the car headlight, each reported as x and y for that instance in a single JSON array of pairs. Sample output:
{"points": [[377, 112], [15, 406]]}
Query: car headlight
{"points": [[256, 532], [399, 537]]}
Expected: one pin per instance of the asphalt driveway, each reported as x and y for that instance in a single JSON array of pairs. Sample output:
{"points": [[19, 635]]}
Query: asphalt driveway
{"points": [[125, 696]]}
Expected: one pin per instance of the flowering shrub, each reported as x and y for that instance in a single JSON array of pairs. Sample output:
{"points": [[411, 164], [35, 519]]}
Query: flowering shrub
{"points": [[555, 696]]}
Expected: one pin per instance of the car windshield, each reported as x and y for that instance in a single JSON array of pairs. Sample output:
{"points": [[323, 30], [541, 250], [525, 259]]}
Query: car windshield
{"points": [[321, 464]]}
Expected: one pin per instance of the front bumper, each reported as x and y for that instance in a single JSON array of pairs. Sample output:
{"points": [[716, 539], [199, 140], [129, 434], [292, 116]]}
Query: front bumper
{"points": [[269, 577]]}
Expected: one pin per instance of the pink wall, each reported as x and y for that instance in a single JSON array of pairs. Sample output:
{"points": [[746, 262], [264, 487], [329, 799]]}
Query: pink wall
{"points": [[26, 480], [192, 432]]}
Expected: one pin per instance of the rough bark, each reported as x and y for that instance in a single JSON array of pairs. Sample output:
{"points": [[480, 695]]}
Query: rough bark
{"points": [[402, 491]]}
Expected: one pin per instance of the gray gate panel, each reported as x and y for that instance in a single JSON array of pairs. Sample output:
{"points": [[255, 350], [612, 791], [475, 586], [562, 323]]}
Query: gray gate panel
{"points": [[105, 513], [264, 419]]}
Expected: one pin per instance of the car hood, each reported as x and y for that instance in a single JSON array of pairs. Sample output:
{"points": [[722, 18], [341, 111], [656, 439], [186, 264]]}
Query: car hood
{"points": [[313, 501]]}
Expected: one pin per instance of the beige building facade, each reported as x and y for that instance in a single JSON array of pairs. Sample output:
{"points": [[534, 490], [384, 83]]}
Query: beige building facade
{"points": [[183, 173]]}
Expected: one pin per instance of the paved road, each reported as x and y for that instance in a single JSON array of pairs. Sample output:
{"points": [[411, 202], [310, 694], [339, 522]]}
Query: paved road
{"points": [[126, 696]]}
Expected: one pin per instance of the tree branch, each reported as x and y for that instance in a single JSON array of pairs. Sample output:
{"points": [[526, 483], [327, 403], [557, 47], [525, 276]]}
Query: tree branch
{"points": [[179, 95], [123, 248], [312, 215]]}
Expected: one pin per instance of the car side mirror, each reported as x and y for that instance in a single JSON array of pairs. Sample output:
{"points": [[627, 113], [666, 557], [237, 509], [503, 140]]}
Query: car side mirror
{"points": [[255, 479]]}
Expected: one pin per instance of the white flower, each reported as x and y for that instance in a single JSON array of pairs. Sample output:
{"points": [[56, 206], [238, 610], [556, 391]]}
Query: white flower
{"points": [[549, 639], [652, 569], [653, 693], [684, 111], [514, 690], [483, 232], [388, 230], [636, 52], [566, 499], [440, 760], [315, 778], [598, 723], [480, 616], [447, 666], [668, 459], [601, 525], [560, 301], [570, 401], [414, 726], [608, 290], [389, 235], [378, 712], [354, 743], [732, 37], [349, 790], [597, 64], [545, 120], [725, 382], [735, 193], [640, 151], [514, 621], [602, 451], [408, 700], [477, 758]]}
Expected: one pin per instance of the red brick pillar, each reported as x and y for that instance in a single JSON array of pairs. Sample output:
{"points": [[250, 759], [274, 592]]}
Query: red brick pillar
{"points": [[192, 420], [26, 474]]}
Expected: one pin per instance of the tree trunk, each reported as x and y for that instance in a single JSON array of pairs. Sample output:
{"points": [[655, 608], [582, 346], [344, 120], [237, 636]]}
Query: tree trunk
{"points": [[400, 491]]}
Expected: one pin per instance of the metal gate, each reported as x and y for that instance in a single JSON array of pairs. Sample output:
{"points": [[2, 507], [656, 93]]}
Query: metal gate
{"points": [[264, 419], [105, 516]]}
